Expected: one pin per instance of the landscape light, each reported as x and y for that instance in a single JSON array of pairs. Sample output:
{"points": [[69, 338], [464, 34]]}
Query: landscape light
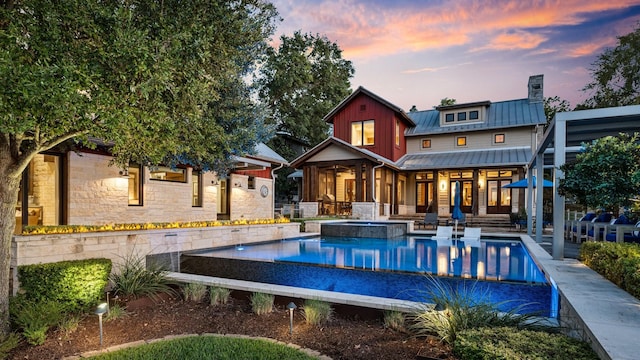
{"points": [[291, 307], [101, 310]]}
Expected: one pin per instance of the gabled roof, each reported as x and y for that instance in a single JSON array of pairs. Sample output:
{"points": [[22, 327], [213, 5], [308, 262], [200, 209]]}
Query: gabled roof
{"points": [[332, 141], [265, 153], [360, 90], [500, 115]]}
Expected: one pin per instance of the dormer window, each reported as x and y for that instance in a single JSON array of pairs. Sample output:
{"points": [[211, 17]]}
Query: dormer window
{"points": [[463, 113]]}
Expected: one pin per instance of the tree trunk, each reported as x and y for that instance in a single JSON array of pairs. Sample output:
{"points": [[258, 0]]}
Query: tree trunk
{"points": [[9, 187]]}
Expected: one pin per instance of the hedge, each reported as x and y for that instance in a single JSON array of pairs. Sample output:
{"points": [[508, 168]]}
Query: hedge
{"points": [[77, 285], [618, 262]]}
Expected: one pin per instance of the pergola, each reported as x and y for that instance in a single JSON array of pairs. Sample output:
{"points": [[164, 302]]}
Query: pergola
{"points": [[561, 142]]}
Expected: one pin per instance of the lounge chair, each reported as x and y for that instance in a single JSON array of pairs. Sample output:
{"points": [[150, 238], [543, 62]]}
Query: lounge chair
{"points": [[471, 236], [443, 235], [630, 234], [429, 219]]}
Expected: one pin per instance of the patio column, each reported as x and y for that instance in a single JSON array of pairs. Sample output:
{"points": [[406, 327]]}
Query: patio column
{"points": [[539, 197], [529, 196], [559, 158]]}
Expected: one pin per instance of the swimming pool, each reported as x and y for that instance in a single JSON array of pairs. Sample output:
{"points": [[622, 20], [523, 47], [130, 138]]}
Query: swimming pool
{"points": [[391, 268]]}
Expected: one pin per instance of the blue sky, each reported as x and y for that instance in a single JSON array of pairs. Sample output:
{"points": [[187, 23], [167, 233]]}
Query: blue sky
{"points": [[418, 52]]}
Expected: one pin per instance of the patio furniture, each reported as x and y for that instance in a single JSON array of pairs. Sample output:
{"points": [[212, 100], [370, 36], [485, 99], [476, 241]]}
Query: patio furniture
{"points": [[443, 235], [429, 219], [624, 233], [471, 236], [578, 229]]}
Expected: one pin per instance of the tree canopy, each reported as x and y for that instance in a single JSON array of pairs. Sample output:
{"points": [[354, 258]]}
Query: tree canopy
{"points": [[606, 175], [553, 105], [302, 80], [616, 75], [158, 81]]}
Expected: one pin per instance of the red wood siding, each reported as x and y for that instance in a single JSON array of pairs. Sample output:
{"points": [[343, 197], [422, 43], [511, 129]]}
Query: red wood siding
{"points": [[385, 125], [265, 174]]}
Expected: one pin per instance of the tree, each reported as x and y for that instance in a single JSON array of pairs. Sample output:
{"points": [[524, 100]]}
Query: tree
{"points": [[616, 75], [413, 108], [606, 175], [302, 81], [446, 102], [553, 105], [160, 82]]}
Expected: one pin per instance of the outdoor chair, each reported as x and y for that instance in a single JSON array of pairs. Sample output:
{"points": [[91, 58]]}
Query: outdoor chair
{"points": [[443, 235], [630, 235], [471, 236], [429, 219]]}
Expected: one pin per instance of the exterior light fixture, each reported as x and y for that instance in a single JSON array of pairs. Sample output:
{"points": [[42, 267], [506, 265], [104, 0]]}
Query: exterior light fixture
{"points": [[443, 185], [238, 184], [101, 310], [214, 182], [124, 173], [291, 307]]}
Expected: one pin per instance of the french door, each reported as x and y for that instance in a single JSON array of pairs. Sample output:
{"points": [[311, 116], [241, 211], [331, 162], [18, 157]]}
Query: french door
{"points": [[498, 198]]}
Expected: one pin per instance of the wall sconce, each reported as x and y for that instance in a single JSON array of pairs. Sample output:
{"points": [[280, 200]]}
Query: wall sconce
{"points": [[124, 173], [443, 185], [214, 182], [291, 307], [238, 184], [480, 184]]}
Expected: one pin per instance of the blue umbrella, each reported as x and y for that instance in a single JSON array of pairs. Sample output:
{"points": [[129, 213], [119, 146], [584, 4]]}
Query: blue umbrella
{"points": [[457, 214], [521, 184]]}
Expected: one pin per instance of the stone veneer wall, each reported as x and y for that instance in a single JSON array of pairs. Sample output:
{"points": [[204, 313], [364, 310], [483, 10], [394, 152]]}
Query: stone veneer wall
{"points": [[116, 245], [99, 195]]}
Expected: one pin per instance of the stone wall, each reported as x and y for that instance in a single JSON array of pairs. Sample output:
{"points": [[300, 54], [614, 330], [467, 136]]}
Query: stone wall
{"points": [[99, 195], [34, 249]]}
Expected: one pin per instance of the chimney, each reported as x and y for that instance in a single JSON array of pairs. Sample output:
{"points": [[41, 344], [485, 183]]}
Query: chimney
{"points": [[535, 88]]}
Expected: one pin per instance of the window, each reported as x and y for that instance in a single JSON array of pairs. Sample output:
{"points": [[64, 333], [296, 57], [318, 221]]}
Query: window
{"points": [[251, 182], [462, 116], [397, 132], [135, 186], [498, 139], [474, 115], [461, 141], [426, 143], [196, 197], [449, 118], [165, 173], [362, 133]]}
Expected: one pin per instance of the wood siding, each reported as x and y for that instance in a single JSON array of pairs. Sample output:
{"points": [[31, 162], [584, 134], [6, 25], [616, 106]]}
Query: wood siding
{"points": [[477, 140], [363, 108]]}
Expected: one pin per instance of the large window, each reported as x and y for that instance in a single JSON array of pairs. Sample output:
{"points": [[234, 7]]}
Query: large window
{"points": [[196, 198], [362, 133], [135, 185], [397, 132], [165, 173]]}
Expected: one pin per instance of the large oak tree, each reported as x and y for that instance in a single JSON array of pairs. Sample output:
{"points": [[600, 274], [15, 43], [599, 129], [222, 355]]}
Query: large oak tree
{"points": [[159, 81]]}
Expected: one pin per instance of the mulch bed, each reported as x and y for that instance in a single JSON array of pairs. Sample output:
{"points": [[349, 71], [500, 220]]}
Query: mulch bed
{"points": [[354, 333]]}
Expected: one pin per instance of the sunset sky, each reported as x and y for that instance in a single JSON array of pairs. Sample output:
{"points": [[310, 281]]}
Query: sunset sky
{"points": [[413, 52]]}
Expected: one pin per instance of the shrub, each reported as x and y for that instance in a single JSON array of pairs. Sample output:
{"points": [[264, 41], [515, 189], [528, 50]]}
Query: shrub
{"points": [[35, 317], [115, 312], [134, 279], [394, 320], [508, 343], [317, 312], [262, 303], [461, 308], [218, 295], [76, 285], [194, 292], [7, 344], [619, 263], [69, 324]]}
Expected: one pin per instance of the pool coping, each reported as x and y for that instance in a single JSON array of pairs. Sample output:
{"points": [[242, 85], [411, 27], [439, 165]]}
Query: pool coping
{"points": [[373, 302], [597, 311]]}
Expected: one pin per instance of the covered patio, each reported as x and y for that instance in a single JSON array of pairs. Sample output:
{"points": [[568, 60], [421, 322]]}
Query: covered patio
{"points": [[561, 142]]}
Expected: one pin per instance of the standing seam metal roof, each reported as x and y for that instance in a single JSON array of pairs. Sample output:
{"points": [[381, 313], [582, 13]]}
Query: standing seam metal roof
{"points": [[500, 115], [465, 159]]}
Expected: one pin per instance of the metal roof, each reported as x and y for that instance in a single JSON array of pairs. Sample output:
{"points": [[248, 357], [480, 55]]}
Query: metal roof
{"points": [[465, 159], [500, 115], [263, 152], [333, 141]]}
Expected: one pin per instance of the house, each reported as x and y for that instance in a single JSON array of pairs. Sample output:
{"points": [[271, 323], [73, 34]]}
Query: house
{"points": [[80, 188], [382, 161]]}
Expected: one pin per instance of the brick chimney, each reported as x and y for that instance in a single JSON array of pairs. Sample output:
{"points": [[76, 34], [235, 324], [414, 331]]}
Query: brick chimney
{"points": [[535, 88]]}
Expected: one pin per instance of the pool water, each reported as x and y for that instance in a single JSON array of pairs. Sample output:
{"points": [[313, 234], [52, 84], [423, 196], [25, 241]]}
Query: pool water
{"points": [[391, 268]]}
